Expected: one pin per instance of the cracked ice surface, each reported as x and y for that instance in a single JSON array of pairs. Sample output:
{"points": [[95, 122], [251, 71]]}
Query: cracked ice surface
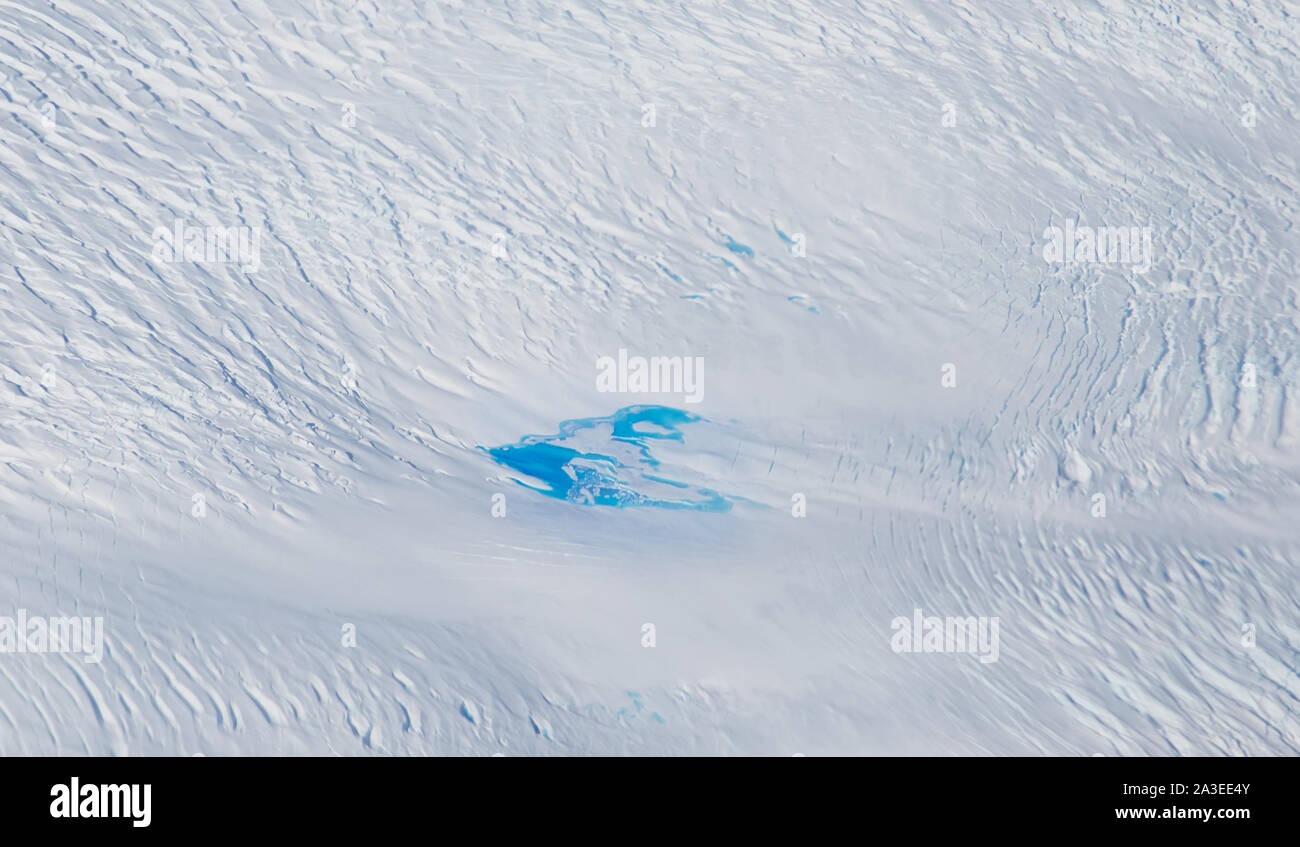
{"points": [[245, 467]]}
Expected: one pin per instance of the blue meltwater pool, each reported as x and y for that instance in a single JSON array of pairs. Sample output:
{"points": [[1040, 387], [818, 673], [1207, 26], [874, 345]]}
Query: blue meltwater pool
{"points": [[610, 461]]}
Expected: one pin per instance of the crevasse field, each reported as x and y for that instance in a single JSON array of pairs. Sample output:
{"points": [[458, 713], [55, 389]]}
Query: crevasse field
{"points": [[362, 484]]}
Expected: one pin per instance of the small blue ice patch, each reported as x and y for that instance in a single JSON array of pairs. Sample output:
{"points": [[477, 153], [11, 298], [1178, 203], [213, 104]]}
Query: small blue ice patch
{"points": [[740, 249]]}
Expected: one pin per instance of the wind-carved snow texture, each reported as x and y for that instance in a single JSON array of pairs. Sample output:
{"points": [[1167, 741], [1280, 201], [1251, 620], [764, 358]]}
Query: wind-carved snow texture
{"points": [[272, 476]]}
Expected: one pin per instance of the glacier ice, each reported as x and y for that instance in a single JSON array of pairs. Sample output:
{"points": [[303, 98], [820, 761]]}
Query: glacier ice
{"points": [[286, 283]]}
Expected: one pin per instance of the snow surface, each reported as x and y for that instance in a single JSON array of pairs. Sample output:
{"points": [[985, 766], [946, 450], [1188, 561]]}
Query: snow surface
{"points": [[462, 206]]}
